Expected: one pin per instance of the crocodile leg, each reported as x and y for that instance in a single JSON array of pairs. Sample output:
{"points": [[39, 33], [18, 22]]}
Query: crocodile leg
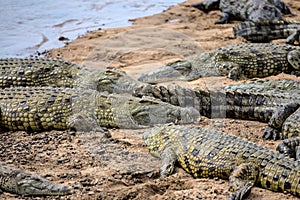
{"points": [[290, 147], [23, 183], [285, 9], [242, 179], [82, 122], [168, 162], [293, 58], [291, 126], [293, 38], [224, 18], [230, 69], [278, 119]]}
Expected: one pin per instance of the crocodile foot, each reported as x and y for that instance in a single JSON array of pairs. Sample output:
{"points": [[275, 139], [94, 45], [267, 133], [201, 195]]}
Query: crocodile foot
{"points": [[271, 133], [290, 147]]}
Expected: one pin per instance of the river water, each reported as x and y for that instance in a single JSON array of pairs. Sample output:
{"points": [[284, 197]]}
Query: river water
{"points": [[31, 26]]}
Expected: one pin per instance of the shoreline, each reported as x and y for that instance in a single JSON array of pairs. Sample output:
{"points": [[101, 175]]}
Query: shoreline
{"points": [[27, 25]]}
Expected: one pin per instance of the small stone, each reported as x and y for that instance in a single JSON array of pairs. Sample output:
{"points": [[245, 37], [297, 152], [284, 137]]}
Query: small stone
{"points": [[75, 187], [62, 38], [117, 176]]}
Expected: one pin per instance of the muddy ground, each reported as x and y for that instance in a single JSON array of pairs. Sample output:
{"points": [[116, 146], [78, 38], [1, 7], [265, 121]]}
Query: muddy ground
{"points": [[121, 167]]}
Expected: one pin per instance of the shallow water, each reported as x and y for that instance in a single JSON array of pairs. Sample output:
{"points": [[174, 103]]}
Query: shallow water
{"points": [[30, 26]]}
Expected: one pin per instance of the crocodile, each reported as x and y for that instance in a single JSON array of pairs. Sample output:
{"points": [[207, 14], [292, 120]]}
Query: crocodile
{"points": [[211, 153], [275, 102], [48, 108], [248, 60], [246, 10], [39, 72], [265, 31], [15, 180]]}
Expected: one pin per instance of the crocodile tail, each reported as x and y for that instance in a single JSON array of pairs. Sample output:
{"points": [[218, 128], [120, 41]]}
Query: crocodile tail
{"points": [[281, 174]]}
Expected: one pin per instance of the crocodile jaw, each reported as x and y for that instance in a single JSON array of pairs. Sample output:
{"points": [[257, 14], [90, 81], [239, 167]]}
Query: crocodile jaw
{"points": [[35, 185]]}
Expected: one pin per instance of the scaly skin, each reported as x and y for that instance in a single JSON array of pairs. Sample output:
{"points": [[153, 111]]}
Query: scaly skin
{"points": [[38, 109], [211, 153], [275, 102], [37, 72], [266, 31], [285, 95], [248, 10], [235, 61], [202, 65], [23, 183], [292, 86]]}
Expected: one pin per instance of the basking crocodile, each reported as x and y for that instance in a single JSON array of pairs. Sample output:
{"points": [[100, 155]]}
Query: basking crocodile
{"points": [[38, 109], [37, 72], [20, 182], [274, 102], [248, 10], [235, 61], [211, 153], [266, 31]]}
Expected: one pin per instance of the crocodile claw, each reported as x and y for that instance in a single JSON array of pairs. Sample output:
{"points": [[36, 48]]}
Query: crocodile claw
{"points": [[290, 148], [241, 194], [271, 133]]}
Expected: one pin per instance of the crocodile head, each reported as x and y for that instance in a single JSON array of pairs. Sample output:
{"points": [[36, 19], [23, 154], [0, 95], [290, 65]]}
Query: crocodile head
{"points": [[178, 70], [152, 111], [27, 184]]}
